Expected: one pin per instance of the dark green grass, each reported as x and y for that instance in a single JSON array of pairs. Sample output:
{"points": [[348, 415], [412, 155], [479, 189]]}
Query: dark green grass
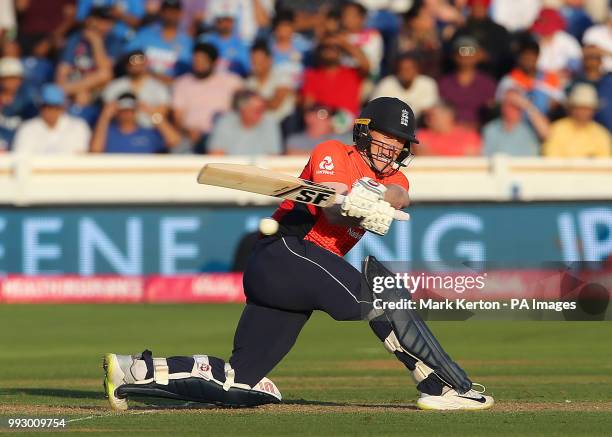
{"points": [[548, 377]]}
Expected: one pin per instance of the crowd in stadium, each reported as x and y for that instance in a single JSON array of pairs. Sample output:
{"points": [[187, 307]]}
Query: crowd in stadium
{"points": [[251, 77]]}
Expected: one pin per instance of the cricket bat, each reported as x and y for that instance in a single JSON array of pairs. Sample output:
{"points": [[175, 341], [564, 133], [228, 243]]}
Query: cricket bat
{"points": [[258, 180]]}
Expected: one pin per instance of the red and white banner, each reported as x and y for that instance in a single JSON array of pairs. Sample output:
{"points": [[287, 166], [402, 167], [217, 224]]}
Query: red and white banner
{"points": [[71, 289], [206, 287]]}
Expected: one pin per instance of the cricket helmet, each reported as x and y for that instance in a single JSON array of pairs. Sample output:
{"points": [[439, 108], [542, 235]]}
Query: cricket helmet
{"points": [[391, 116]]}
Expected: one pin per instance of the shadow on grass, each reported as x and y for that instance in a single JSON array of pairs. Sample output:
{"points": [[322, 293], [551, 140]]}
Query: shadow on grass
{"points": [[347, 404], [53, 392]]}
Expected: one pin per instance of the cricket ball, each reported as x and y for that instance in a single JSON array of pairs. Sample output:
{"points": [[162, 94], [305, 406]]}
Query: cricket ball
{"points": [[268, 226]]}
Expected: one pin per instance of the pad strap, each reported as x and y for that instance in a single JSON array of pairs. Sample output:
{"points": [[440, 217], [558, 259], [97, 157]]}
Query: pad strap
{"points": [[421, 370], [160, 371]]}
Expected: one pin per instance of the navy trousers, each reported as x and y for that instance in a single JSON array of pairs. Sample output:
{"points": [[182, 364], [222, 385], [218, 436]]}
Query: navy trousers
{"points": [[284, 281]]}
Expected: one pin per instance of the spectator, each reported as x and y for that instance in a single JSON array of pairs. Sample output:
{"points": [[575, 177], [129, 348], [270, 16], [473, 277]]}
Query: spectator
{"points": [[271, 83], [443, 137], [168, 49], [319, 127], [543, 89], [492, 38], [53, 131], [38, 68], [511, 134], [329, 24], [471, 92], [233, 51], [86, 62], [16, 100], [417, 90], [577, 19], [153, 95], [288, 47], [331, 83], [418, 33], [48, 19], [594, 74], [601, 36], [200, 95], [250, 15], [559, 51], [247, 130], [127, 14], [353, 21], [578, 136], [118, 131]]}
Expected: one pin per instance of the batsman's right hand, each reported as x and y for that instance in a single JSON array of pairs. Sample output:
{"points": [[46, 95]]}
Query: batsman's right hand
{"points": [[366, 200]]}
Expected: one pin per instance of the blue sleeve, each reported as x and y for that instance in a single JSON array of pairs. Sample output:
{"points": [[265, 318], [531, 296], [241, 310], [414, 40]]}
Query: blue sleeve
{"points": [[246, 58], [187, 47], [132, 44], [70, 49], [183, 63], [114, 46], [241, 63]]}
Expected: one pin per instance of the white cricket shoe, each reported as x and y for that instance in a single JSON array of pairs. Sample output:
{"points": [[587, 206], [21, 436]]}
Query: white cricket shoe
{"points": [[450, 399], [119, 370]]}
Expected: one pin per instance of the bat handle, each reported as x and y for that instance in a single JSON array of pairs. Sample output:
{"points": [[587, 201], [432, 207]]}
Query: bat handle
{"points": [[397, 215]]}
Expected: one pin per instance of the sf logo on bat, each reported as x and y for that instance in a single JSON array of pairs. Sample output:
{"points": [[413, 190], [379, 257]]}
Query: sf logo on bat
{"points": [[314, 197]]}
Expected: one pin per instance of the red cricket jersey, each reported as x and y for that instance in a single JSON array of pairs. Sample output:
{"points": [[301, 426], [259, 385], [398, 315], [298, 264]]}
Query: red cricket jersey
{"points": [[330, 161]]}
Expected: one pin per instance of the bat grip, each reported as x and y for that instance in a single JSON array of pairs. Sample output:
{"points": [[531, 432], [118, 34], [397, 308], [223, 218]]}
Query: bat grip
{"points": [[397, 215]]}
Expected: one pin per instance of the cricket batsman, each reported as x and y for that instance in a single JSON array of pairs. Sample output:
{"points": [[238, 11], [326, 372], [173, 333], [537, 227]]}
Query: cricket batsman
{"points": [[301, 269]]}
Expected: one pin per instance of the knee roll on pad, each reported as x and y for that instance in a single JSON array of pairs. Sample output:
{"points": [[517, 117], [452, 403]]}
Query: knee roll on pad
{"points": [[412, 336], [211, 381]]}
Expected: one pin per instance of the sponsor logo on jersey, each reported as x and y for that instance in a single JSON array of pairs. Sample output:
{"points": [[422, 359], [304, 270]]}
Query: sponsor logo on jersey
{"points": [[353, 233], [326, 166], [405, 117]]}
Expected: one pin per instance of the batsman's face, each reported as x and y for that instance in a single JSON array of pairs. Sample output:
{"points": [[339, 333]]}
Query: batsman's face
{"points": [[385, 148]]}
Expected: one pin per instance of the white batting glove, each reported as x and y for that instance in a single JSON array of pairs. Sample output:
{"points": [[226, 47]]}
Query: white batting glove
{"points": [[379, 218], [362, 198], [366, 200]]}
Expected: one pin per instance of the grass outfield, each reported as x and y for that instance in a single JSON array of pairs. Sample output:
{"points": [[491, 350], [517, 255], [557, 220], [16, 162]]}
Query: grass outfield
{"points": [[547, 377]]}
